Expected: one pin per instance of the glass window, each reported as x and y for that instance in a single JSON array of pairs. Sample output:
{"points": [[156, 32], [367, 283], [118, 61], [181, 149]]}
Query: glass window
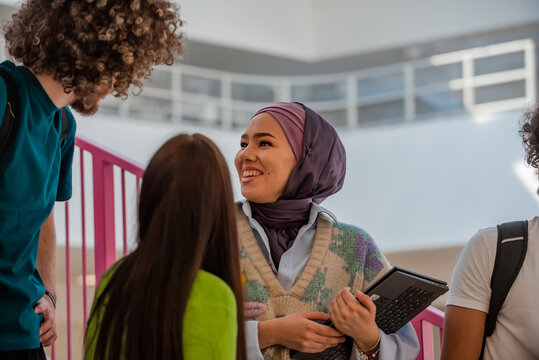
{"points": [[499, 92], [319, 92], [202, 86], [380, 84], [499, 63], [437, 74], [390, 111], [439, 101], [254, 93]]}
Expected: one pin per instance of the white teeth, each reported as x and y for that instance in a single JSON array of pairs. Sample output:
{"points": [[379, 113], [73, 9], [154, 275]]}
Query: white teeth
{"points": [[251, 173]]}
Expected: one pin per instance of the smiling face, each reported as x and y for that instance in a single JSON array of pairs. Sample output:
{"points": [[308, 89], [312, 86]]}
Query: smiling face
{"points": [[265, 160]]}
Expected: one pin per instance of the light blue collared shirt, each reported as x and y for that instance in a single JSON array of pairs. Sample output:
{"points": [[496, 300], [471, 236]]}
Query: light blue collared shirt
{"points": [[402, 345]]}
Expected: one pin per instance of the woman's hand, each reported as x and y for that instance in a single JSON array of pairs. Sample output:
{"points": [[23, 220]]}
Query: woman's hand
{"points": [[355, 318], [299, 332]]}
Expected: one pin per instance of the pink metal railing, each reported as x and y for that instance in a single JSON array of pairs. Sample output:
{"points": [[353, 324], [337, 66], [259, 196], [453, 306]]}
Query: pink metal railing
{"points": [[424, 324], [103, 163]]}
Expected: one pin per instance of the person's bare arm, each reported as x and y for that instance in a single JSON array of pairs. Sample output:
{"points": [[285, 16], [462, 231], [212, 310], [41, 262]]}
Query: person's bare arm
{"points": [[463, 333], [46, 264]]}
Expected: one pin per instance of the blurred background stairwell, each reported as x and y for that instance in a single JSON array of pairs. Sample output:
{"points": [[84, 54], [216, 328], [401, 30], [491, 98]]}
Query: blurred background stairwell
{"points": [[427, 97]]}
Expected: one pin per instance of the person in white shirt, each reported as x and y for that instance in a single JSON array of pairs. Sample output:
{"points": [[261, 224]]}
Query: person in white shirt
{"points": [[515, 335]]}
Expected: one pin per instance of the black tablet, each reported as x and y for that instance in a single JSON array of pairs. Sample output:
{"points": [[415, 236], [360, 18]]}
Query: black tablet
{"points": [[399, 295]]}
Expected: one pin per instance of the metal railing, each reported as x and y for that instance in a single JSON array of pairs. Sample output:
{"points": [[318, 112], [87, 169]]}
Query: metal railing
{"points": [[483, 79], [426, 324], [106, 171]]}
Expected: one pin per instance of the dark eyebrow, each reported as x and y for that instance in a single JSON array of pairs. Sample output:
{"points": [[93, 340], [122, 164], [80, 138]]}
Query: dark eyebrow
{"points": [[258, 135]]}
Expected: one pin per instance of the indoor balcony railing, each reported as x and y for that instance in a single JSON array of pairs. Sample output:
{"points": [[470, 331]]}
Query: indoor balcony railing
{"points": [[483, 79]]}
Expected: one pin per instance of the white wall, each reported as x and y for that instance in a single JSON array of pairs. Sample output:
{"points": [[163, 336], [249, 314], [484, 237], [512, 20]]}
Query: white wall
{"points": [[422, 185], [434, 184]]}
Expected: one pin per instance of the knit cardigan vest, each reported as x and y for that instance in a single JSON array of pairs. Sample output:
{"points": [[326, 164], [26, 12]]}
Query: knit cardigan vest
{"points": [[342, 255]]}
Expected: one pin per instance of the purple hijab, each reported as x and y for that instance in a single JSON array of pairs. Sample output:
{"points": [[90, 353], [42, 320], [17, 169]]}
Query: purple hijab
{"points": [[319, 173]]}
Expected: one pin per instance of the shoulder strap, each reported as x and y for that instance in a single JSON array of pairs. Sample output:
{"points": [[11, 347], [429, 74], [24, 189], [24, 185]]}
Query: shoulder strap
{"points": [[510, 254], [8, 124], [64, 132]]}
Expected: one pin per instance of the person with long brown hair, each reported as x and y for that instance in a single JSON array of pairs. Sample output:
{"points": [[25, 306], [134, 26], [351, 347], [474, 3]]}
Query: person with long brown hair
{"points": [[178, 295], [64, 54]]}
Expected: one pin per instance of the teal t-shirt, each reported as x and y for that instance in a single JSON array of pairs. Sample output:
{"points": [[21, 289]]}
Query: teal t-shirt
{"points": [[35, 171], [210, 327]]}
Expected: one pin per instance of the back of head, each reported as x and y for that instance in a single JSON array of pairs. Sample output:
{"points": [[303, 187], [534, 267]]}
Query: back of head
{"points": [[186, 223], [88, 45], [186, 191], [530, 137]]}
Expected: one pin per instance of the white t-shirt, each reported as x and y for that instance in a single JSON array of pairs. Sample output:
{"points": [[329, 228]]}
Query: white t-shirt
{"points": [[517, 328]]}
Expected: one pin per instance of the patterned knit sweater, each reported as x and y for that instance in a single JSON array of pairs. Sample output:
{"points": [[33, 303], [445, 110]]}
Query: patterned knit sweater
{"points": [[342, 255]]}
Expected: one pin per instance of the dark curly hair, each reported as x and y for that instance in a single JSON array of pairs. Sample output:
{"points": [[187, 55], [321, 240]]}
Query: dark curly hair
{"points": [[94, 46], [530, 137]]}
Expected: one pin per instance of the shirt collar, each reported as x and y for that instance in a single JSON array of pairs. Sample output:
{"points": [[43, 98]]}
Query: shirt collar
{"points": [[315, 211], [36, 89]]}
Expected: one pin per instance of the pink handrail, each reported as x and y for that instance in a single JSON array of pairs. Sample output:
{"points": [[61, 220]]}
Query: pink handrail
{"points": [[110, 156], [124, 216], [83, 230], [423, 325], [68, 282], [103, 163]]}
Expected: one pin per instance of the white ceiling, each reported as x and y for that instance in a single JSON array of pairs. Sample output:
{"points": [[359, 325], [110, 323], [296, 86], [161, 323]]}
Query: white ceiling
{"points": [[316, 30]]}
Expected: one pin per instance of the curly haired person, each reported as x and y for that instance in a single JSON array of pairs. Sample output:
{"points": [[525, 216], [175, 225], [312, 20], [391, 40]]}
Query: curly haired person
{"points": [[517, 323], [68, 53]]}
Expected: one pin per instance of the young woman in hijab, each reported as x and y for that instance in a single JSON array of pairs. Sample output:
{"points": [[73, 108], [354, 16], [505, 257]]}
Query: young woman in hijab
{"points": [[178, 295], [301, 266]]}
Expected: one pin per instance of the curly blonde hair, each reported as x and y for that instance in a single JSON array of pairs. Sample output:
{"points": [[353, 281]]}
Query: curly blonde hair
{"points": [[94, 46], [530, 137]]}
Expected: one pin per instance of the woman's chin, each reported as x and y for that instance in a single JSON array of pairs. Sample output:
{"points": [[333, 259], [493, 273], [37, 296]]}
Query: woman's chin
{"points": [[257, 194], [260, 199]]}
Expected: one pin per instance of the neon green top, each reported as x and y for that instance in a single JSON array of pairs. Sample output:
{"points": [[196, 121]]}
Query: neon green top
{"points": [[210, 325]]}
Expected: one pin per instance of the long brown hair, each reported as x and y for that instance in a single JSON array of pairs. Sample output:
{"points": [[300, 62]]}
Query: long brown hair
{"points": [[186, 223]]}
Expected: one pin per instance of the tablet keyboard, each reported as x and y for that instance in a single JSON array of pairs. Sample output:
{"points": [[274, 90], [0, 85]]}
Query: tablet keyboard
{"points": [[398, 312], [337, 352]]}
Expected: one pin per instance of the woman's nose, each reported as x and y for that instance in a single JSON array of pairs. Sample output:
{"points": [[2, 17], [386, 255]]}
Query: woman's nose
{"points": [[247, 153]]}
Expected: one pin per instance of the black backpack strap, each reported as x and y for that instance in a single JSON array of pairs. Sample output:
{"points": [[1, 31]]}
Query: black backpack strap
{"points": [[8, 123], [64, 126], [510, 254]]}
